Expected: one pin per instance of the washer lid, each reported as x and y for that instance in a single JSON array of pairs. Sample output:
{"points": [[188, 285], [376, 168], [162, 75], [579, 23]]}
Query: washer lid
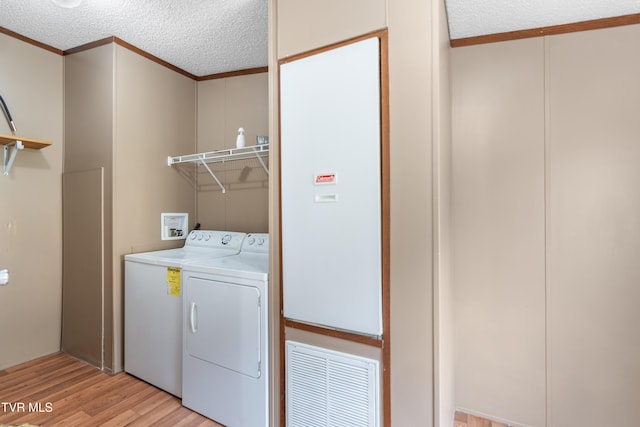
{"points": [[199, 244], [177, 257]]}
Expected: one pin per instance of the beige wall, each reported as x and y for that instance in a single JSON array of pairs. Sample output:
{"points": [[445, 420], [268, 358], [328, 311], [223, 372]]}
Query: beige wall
{"points": [[593, 212], [31, 205], [88, 148], [155, 110], [414, 27], [125, 114], [546, 231], [224, 105], [498, 216], [304, 26], [275, 392], [444, 370], [412, 264], [83, 319]]}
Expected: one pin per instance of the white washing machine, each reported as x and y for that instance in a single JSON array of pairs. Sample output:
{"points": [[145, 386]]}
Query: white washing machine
{"points": [[153, 306], [225, 365]]}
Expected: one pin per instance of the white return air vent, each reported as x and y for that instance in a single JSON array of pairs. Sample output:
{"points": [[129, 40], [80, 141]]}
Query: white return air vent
{"points": [[326, 388]]}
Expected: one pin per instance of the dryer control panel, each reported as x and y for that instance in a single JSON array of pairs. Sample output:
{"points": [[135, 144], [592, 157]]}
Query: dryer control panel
{"points": [[256, 242]]}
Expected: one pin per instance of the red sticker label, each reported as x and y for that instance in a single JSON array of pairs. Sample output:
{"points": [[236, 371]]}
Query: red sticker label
{"points": [[328, 178]]}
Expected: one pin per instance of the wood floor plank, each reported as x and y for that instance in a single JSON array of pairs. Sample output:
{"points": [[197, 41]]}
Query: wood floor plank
{"points": [[157, 416], [461, 417], [118, 392], [152, 402], [65, 401], [27, 382], [48, 385], [190, 420], [60, 391], [23, 375], [136, 394], [208, 423], [178, 414], [121, 419], [467, 420], [78, 419]]}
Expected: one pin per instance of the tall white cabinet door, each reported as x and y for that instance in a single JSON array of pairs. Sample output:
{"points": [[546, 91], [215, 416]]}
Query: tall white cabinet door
{"points": [[330, 188]]}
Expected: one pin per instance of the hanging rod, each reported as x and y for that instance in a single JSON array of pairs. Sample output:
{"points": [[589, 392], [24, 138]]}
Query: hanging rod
{"points": [[222, 156]]}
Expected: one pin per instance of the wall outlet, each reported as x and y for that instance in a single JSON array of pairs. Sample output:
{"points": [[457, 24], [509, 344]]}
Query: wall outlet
{"points": [[4, 277]]}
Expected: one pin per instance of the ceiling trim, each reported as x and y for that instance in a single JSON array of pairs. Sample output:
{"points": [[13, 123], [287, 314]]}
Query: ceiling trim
{"points": [[126, 45], [153, 58], [132, 48], [594, 24], [30, 41], [246, 72], [88, 46]]}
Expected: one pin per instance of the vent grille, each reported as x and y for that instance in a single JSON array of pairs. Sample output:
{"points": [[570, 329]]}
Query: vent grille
{"points": [[328, 388]]}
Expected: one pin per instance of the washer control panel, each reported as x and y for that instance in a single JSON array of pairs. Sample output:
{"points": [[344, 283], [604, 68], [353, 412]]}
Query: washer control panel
{"points": [[215, 239]]}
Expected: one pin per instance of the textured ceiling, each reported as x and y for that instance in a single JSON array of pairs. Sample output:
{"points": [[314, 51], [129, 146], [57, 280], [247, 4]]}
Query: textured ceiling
{"points": [[202, 37], [470, 18], [206, 37]]}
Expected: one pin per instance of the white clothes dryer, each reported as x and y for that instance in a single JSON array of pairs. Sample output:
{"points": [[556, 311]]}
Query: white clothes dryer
{"points": [[153, 306], [225, 365]]}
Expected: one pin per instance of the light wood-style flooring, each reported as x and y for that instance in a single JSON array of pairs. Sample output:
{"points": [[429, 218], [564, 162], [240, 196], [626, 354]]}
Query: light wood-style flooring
{"points": [[58, 390], [466, 420]]}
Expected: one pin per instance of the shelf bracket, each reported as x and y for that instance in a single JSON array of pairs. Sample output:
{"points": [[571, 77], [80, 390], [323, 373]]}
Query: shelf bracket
{"points": [[10, 151], [264, 166], [213, 175]]}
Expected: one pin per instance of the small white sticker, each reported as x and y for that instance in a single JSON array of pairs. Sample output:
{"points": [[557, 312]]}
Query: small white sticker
{"points": [[326, 198]]}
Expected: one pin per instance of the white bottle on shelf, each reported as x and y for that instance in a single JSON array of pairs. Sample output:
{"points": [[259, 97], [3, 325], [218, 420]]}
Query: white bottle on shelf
{"points": [[4, 277], [240, 141]]}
